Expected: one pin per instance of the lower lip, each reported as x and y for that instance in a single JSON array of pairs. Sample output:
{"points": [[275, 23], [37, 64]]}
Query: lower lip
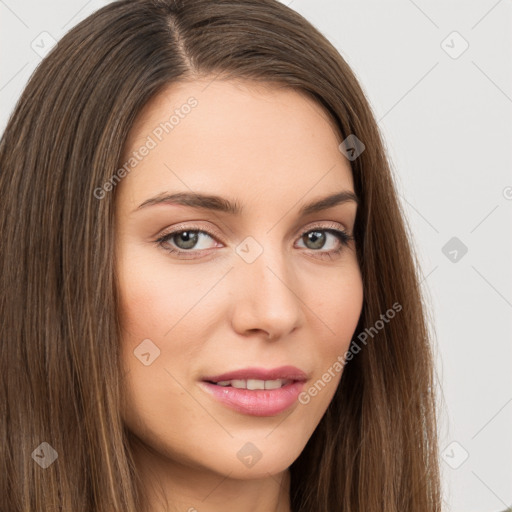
{"points": [[258, 402]]}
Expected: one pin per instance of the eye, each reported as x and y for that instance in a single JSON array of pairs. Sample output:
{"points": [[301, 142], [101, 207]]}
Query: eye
{"points": [[183, 242], [318, 237], [186, 243]]}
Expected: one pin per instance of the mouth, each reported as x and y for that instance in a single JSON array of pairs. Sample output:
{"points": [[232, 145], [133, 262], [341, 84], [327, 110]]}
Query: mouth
{"points": [[253, 384], [256, 375], [256, 391]]}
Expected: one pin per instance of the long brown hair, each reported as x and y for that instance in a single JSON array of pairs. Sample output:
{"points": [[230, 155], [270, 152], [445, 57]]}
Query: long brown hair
{"points": [[375, 449]]}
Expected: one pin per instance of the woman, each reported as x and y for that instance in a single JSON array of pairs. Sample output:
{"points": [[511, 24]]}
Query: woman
{"points": [[175, 180]]}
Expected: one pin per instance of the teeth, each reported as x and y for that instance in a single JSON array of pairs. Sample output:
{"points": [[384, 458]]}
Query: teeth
{"points": [[274, 384], [252, 384], [255, 384]]}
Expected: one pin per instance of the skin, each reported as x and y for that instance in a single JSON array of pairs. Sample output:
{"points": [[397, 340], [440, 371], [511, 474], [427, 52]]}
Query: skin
{"points": [[272, 150]]}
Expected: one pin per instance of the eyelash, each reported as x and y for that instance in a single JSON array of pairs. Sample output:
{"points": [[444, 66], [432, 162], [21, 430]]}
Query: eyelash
{"points": [[343, 237]]}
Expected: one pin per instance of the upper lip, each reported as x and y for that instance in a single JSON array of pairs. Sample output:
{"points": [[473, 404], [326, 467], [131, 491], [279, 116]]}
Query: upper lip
{"points": [[283, 372]]}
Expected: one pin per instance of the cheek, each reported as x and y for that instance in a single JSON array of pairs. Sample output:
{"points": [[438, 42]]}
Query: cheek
{"points": [[145, 310], [155, 356], [338, 310], [339, 307], [153, 295]]}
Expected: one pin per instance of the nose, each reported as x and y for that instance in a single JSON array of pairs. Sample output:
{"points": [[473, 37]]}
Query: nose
{"points": [[267, 296]]}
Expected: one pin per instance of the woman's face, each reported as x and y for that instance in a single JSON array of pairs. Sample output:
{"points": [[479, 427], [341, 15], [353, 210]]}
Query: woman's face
{"points": [[268, 286]]}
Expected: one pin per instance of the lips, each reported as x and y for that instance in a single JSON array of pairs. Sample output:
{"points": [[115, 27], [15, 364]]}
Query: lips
{"points": [[291, 373], [241, 390]]}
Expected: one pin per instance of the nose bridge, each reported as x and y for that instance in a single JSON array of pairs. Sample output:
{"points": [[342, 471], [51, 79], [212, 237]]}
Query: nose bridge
{"points": [[267, 297]]}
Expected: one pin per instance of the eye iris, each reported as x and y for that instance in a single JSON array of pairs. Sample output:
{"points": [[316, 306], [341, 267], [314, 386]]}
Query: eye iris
{"points": [[190, 238], [315, 236]]}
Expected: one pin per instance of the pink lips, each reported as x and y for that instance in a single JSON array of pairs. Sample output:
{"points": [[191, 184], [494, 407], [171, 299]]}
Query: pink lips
{"points": [[283, 372], [258, 402]]}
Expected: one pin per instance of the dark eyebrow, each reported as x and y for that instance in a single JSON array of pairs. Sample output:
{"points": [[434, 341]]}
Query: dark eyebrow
{"points": [[221, 204], [328, 202]]}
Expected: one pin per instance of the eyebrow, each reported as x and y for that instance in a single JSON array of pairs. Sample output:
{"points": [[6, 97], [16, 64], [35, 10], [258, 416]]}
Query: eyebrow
{"points": [[221, 204]]}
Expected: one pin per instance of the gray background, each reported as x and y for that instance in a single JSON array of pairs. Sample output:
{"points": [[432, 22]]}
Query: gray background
{"points": [[445, 117]]}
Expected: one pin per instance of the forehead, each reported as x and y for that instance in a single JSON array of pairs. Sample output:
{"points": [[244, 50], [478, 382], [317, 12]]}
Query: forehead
{"points": [[243, 136], [231, 101]]}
